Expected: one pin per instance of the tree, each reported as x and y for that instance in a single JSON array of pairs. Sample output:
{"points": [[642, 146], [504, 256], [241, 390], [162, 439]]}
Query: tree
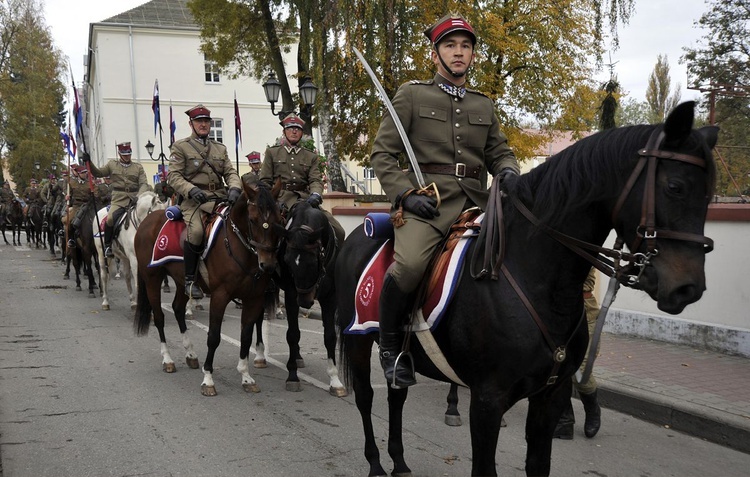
{"points": [[720, 65], [632, 112], [32, 95], [660, 102]]}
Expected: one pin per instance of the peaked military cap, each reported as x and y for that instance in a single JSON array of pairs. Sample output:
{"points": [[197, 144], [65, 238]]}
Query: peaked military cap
{"points": [[198, 111], [449, 24], [292, 121]]}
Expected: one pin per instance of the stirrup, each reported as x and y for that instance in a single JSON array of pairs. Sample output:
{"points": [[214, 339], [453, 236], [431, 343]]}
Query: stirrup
{"points": [[395, 384], [108, 251], [193, 290]]}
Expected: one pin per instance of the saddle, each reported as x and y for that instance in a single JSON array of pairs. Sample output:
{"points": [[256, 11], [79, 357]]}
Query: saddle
{"points": [[441, 277], [168, 244]]}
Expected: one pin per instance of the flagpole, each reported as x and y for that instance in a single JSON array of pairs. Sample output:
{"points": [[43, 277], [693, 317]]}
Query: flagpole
{"points": [[237, 133], [157, 120]]}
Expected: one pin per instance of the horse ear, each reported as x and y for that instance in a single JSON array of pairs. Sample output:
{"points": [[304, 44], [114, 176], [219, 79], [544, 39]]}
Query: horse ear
{"points": [[276, 188], [710, 134], [679, 123]]}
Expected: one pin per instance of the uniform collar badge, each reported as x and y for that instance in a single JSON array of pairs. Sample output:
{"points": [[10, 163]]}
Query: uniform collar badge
{"points": [[453, 90]]}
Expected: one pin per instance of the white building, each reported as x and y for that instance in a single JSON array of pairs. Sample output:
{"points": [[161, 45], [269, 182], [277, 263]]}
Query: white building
{"points": [[160, 41]]}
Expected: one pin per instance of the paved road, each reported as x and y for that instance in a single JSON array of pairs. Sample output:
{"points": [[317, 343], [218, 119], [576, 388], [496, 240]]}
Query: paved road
{"points": [[80, 395]]}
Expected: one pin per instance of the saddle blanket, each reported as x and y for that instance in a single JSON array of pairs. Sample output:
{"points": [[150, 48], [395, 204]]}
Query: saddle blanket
{"points": [[168, 245], [370, 285]]}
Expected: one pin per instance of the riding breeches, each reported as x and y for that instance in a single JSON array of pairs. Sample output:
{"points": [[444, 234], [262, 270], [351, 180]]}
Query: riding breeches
{"points": [[414, 244], [193, 216], [115, 211], [592, 311]]}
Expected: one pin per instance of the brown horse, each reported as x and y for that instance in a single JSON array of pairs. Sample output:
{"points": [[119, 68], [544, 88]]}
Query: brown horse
{"points": [[12, 219], [239, 267]]}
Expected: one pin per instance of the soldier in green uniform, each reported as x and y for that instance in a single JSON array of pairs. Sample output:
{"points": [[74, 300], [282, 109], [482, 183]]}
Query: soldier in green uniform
{"points": [[78, 200], [253, 177], [128, 180], [199, 168], [456, 137], [298, 170], [6, 199], [50, 192], [163, 189], [32, 195]]}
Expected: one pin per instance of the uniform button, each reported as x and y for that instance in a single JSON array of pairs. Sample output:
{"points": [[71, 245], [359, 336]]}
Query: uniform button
{"points": [[458, 138], [455, 99], [458, 125], [480, 120], [459, 152], [432, 113], [458, 110]]}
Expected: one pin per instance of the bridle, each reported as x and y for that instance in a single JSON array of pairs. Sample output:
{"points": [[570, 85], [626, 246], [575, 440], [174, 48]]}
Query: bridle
{"points": [[247, 240], [322, 253]]}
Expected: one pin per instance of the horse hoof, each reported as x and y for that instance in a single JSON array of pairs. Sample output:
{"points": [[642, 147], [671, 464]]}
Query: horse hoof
{"points": [[105, 307], [251, 388], [300, 363], [66, 277], [192, 363], [166, 290], [260, 363], [337, 392], [294, 386], [453, 421], [79, 289], [92, 294], [208, 391], [169, 368]]}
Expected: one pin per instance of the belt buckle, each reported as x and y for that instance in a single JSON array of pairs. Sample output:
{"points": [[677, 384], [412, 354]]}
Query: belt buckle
{"points": [[460, 169], [211, 186]]}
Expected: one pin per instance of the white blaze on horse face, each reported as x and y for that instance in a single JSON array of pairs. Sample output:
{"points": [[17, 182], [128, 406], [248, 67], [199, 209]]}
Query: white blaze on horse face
{"points": [[297, 260]]}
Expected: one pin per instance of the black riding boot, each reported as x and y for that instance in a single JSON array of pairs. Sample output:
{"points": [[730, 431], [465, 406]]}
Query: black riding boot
{"points": [[593, 414], [191, 264], [564, 429], [108, 231], [397, 365]]}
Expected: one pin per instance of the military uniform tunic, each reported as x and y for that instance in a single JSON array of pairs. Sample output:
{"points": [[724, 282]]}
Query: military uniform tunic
{"points": [[128, 181], [204, 164], [79, 196], [32, 195], [6, 199], [461, 134], [298, 169]]}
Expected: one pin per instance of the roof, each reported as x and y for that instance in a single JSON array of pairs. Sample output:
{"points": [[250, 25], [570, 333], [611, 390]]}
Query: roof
{"points": [[158, 13]]}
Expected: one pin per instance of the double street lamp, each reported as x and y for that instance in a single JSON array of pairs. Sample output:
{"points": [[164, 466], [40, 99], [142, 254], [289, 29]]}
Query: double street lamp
{"points": [[150, 149], [272, 88]]}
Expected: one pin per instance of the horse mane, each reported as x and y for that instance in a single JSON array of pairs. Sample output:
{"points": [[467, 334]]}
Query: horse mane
{"points": [[591, 169], [264, 198]]}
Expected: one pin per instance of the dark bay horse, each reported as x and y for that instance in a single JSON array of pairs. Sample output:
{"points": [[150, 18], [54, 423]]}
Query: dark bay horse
{"points": [[34, 226], [14, 221], [239, 266], [83, 255], [651, 184], [306, 263]]}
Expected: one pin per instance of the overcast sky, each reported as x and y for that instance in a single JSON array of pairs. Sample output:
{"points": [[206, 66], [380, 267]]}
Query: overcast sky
{"points": [[658, 27]]}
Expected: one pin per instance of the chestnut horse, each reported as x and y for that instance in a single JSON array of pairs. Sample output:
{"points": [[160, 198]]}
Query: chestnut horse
{"points": [[239, 266], [522, 334]]}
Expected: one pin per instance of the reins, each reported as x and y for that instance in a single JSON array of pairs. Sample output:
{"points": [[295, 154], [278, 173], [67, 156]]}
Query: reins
{"points": [[325, 254], [248, 241]]}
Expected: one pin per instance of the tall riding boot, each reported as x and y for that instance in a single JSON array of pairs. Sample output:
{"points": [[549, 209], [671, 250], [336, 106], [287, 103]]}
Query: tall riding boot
{"points": [[191, 264], [108, 231], [397, 365], [564, 429], [593, 414]]}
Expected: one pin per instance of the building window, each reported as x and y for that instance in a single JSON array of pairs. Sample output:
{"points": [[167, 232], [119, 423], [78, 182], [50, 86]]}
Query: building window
{"points": [[212, 71], [369, 173], [217, 130]]}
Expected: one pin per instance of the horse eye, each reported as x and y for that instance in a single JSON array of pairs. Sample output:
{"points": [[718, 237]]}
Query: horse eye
{"points": [[674, 187]]}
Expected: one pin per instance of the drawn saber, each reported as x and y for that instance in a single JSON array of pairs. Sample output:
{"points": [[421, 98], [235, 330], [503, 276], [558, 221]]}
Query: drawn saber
{"points": [[394, 117]]}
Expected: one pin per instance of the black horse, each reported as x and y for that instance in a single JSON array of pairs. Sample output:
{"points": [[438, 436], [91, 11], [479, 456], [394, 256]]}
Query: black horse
{"points": [[83, 255], [13, 220], [306, 263], [523, 335], [34, 226]]}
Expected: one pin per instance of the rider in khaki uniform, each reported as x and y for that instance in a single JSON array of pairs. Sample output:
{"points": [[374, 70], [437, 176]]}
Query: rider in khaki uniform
{"points": [[6, 199], [199, 168], [32, 196], [298, 170], [128, 180], [253, 177], [50, 192], [456, 138], [78, 199]]}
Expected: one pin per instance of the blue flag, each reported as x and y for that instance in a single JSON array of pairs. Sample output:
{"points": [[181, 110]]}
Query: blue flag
{"points": [[155, 107]]}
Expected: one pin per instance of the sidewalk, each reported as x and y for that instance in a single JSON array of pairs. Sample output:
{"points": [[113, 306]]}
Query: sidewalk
{"points": [[702, 393]]}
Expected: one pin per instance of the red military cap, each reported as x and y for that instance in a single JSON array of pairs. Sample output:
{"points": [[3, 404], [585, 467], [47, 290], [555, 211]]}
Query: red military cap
{"points": [[253, 157], [198, 111], [449, 24], [124, 148], [64, 173], [51, 176], [292, 121], [33, 181]]}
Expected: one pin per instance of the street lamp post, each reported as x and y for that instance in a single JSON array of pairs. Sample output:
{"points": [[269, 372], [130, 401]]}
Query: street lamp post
{"points": [[308, 92], [150, 149]]}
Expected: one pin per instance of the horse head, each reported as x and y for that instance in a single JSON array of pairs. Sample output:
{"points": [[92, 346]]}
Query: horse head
{"points": [[258, 211], [662, 216], [307, 235]]}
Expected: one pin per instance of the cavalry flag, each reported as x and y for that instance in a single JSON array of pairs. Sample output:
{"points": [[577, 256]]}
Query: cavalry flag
{"points": [[172, 125], [66, 140], [237, 123], [155, 106], [77, 112]]}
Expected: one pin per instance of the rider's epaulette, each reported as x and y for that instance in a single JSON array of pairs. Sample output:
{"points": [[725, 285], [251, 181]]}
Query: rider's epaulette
{"points": [[429, 81], [477, 92]]}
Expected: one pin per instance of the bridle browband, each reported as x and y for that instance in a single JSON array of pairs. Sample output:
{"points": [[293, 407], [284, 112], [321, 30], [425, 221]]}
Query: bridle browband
{"points": [[322, 253], [247, 241]]}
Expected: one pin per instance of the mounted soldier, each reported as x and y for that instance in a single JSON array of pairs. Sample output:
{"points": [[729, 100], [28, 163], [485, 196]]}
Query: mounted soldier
{"points": [[128, 180]]}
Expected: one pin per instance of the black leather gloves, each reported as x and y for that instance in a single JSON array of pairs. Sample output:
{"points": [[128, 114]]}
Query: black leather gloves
{"points": [[198, 195], [234, 194], [506, 173], [315, 200], [85, 157], [421, 205]]}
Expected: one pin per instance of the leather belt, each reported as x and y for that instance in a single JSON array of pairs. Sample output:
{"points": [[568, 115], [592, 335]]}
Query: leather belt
{"points": [[210, 187], [458, 170], [294, 186], [125, 189]]}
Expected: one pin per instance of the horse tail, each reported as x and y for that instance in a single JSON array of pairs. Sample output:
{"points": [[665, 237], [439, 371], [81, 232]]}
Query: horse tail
{"points": [[346, 343], [142, 318]]}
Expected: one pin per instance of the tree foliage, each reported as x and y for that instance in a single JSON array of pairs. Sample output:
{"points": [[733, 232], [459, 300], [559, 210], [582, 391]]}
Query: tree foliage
{"points": [[720, 66], [532, 58], [32, 95], [658, 97]]}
